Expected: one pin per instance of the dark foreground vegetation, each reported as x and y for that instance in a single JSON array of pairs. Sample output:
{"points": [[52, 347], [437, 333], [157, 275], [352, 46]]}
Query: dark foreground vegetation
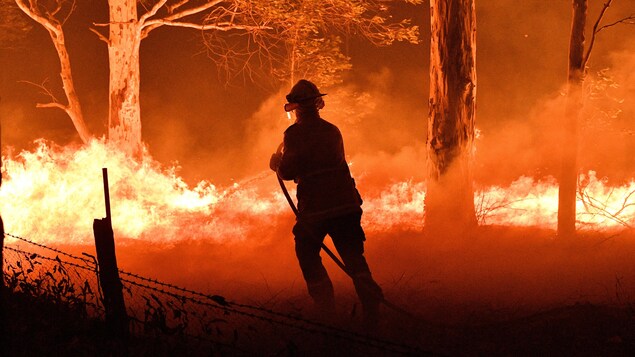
{"points": [[499, 292], [41, 327]]}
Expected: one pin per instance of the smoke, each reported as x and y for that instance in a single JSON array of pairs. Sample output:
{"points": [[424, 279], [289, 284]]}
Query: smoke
{"points": [[530, 145], [242, 243], [383, 135], [608, 123], [499, 272], [527, 146]]}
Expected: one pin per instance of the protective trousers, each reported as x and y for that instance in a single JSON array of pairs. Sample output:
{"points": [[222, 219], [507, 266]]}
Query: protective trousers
{"points": [[348, 238]]}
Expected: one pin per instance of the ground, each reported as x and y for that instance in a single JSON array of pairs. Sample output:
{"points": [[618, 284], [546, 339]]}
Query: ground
{"points": [[495, 291]]}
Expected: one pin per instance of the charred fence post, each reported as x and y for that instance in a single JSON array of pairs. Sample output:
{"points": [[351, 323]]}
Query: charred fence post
{"points": [[116, 317]]}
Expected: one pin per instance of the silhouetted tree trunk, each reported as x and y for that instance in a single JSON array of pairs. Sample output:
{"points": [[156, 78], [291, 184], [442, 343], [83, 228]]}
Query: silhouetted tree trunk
{"points": [[569, 170], [124, 115], [450, 197]]}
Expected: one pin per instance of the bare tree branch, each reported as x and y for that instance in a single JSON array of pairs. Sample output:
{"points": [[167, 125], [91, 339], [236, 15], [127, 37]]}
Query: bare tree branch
{"points": [[193, 11], [32, 12], [594, 32], [485, 207], [45, 90], [206, 27], [99, 35], [150, 25], [147, 24], [171, 8], [595, 207], [56, 10], [629, 20], [152, 11], [51, 105], [73, 7]]}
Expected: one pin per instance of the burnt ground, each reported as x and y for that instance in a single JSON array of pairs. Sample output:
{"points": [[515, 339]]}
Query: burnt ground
{"points": [[498, 291]]}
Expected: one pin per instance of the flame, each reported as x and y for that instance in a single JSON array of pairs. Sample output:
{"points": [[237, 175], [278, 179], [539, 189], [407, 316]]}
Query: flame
{"points": [[53, 193], [528, 202]]}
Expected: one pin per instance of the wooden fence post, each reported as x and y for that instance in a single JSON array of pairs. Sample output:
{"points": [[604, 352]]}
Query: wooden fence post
{"points": [[116, 317]]}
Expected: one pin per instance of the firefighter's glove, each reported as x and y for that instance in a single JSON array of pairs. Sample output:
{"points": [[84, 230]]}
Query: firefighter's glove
{"points": [[274, 162]]}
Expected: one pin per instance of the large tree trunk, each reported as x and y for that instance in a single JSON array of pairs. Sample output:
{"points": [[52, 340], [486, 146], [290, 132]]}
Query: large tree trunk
{"points": [[569, 170], [450, 197], [124, 117]]}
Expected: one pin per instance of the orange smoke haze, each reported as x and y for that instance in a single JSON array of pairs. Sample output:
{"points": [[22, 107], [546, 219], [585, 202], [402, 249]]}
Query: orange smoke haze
{"points": [[203, 209]]}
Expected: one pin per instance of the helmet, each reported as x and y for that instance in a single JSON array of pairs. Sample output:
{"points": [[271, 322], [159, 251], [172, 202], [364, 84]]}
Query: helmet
{"points": [[303, 91]]}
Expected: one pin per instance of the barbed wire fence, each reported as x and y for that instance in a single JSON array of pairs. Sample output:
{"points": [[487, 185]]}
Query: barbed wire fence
{"points": [[69, 279], [173, 317]]}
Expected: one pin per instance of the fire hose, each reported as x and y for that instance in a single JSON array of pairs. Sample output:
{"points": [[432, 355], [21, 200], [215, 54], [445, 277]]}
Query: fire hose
{"points": [[328, 251]]}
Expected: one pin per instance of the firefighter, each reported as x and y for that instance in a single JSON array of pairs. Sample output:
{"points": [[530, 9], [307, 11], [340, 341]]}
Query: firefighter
{"points": [[328, 201]]}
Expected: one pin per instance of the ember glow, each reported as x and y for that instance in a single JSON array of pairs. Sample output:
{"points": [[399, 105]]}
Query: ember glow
{"points": [[52, 194]]}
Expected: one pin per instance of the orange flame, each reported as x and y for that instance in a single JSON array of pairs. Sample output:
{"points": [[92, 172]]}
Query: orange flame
{"points": [[52, 194], [527, 202]]}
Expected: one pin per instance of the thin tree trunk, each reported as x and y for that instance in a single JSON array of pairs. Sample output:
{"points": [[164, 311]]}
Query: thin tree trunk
{"points": [[54, 28], [450, 197], [124, 118], [569, 169], [74, 108]]}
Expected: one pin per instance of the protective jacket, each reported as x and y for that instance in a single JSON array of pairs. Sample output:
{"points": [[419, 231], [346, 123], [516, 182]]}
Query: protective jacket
{"points": [[314, 158]]}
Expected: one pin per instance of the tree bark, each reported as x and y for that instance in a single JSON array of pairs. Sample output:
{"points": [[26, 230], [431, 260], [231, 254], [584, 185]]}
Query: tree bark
{"points": [[73, 109], [450, 197], [124, 118], [568, 179]]}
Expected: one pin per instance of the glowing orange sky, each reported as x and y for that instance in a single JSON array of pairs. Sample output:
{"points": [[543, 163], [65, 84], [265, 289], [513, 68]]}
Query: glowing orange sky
{"points": [[191, 116]]}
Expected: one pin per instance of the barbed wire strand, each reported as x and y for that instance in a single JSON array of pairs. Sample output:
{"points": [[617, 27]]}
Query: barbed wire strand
{"points": [[56, 260], [33, 255], [221, 303], [84, 279], [353, 337], [49, 248]]}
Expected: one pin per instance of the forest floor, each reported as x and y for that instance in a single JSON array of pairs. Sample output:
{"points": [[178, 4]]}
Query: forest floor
{"points": [[498, 291]]}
